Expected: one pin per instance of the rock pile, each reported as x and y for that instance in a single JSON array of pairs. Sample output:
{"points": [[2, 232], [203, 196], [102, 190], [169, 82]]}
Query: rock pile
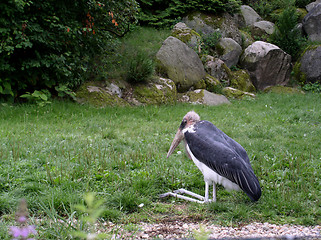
{"points": [[192, 76]]}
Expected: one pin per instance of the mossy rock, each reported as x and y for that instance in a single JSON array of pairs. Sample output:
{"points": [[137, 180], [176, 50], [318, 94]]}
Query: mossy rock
{"points": [[95, 94], [247, 39], [241, 80], [195, 96], [301, 12], [200, 85], [206, 23], [163, 91], [283, 90], [213, 84], [202, 96], [236, 93], [299, 75], [186, 35]]}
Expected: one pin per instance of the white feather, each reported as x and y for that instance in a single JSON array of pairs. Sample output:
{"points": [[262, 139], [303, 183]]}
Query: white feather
{"points": [[209, 175]]}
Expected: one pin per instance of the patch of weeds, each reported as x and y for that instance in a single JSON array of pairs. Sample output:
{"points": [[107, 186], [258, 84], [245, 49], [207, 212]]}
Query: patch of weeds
{"points": [[41, 97], [312, 87], [210, 41], [201, 234], [139, 67]]}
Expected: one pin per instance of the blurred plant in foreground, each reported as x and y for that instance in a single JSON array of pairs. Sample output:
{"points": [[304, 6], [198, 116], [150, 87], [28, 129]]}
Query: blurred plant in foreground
{"points": [[23, 231], [91, 210]]}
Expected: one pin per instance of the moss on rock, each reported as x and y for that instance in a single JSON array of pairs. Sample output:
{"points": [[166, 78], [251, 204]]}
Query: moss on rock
{"points": [[186, 35], [236, 93], [161, 92], [299, 75], [241, 80], [283, 89], [95, 94], [247, 39], [195, 96], [213, 84], [200, 85]]}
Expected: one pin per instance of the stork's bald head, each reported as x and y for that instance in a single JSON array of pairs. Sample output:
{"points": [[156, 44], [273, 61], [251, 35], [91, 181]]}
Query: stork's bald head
{"points": [[189, 119]]}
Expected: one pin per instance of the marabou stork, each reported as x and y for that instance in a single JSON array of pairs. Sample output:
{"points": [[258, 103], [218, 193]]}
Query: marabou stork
{"points": [[221, 159]]}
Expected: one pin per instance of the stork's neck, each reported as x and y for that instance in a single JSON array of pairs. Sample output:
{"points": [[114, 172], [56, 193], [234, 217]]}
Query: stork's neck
{"points": [[189, 129]]}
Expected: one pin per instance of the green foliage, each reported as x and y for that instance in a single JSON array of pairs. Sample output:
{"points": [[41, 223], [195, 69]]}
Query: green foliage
{"points": [[140, 67], [39, 97], [165, 13], [287, 36], [64, 91], [210, 41], [312, 87], [201, 234], [266, 8], [90, 211], [47, 43]]}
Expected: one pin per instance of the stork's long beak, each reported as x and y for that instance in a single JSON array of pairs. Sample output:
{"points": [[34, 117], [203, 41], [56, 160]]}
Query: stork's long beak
{"points": [[177, 139]]}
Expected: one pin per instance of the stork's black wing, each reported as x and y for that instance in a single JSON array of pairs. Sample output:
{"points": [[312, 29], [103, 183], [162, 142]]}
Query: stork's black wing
{"points": [[223, 155]]}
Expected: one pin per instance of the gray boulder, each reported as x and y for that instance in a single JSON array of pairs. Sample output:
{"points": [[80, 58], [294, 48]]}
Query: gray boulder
{"points": [[267, 64], [241, 81], [201, 96], [310, 65], [312, 23], [249, 15], [180, 63], [186, 35], [236, 93], [229, 51], [218, 69], [207, 24], [264, 27], [310, 6]]}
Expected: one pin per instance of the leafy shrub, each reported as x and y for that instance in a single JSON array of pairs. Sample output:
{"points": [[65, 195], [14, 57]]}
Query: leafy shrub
{"points": [[165, 13], [39, 97], [312, 87], [47, 43], [210, 41], [140, 68], [287, 36]]}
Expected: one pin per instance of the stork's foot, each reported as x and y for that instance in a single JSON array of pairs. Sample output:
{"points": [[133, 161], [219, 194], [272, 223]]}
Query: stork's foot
{"points": [[178, 194]]}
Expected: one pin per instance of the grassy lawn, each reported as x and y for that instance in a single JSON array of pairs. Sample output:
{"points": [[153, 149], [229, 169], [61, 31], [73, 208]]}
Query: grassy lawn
{"points": [[52, 155]]}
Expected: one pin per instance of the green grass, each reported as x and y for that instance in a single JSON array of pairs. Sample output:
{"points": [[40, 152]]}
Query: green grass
{"points": [[52, 155]]}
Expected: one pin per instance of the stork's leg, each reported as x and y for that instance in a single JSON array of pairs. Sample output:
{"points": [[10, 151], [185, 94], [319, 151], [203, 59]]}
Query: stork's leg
{"points": [[214, 192], [179, 196], [206, 192], [184, 191]]}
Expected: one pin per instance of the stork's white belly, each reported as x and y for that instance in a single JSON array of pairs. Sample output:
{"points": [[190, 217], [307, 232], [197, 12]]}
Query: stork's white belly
{"points": [[210, 176]]}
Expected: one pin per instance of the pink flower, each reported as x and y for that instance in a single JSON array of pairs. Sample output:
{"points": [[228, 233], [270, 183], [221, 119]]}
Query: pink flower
{"points": [[23, 232], [22, 219]]}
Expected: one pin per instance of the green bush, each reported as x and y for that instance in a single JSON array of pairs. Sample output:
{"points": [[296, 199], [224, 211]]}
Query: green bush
{"points": [[47, 43], [312, 87], [210, 41], [159, 13], [287, 36]]}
